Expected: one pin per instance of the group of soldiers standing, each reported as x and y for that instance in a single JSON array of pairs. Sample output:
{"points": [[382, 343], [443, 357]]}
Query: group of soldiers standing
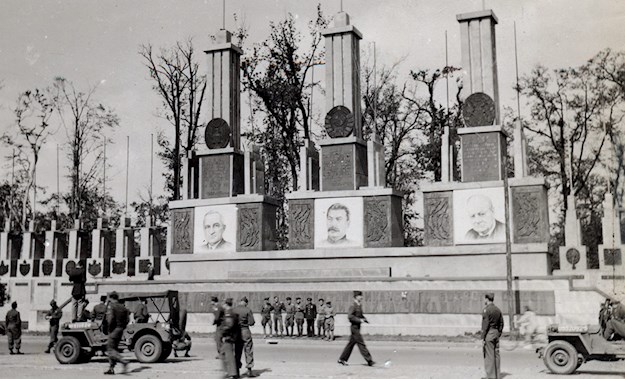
{"points": [[321, 316]]}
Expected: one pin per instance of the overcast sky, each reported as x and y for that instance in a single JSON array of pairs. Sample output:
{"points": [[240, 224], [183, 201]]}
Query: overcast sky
{"points": [[96, 42]]}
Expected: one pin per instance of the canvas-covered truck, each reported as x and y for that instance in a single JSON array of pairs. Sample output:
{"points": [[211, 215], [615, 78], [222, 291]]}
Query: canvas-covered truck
{"points": [[151, 341]]}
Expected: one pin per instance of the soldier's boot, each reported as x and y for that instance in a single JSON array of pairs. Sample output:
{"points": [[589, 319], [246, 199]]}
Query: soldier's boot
{"points": [[124, 367], [11, 351], [110, 371], [250, 373], [47, 351], [19, 352]]}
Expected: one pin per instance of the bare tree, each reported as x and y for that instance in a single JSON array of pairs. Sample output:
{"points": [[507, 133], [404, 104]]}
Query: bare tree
{"points": [[177, 80], [86, 123], [32, 114]]}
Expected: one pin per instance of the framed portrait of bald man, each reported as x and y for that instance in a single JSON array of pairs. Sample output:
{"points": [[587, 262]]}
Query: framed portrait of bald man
{"points": [[339, 222], [215, 229], [479, 216]]}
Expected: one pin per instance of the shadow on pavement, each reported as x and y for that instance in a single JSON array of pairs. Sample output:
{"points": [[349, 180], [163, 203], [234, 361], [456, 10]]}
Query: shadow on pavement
{"points": [[601, 373], [260, 372], [139, 369]]}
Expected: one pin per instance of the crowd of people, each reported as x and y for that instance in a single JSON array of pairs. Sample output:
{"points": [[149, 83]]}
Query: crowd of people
{"points": [[286, 319]]}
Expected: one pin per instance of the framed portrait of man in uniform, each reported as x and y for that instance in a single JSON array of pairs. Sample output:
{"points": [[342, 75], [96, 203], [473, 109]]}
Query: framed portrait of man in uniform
{"points": [[215, 229], [479, 216], [339, 222]]}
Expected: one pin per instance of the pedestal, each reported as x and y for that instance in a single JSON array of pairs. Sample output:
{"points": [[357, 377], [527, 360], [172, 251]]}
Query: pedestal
{"points": [[482, 150], [221, 173], [343, 164], [243, 223], [369, 217], [124, 251]]}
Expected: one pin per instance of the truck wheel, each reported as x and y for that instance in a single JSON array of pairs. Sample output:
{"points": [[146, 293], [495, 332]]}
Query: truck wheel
{"points": [[67, 350], [561, 358], [148, 349]]}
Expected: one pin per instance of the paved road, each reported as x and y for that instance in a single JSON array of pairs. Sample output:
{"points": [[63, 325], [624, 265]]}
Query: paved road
{"points": [[307, 359]]}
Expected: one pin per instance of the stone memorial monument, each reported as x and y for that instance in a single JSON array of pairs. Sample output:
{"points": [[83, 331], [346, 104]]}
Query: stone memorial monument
{"points": [[353, 208], [611, 251], [223, 209], [472, 211]]}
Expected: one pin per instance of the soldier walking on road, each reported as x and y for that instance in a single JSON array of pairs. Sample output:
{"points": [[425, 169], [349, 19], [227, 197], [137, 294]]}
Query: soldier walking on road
{"points": [[54, 315], [299, 316], [117, 319], [218, 314], [14, 329], [289, 320], [356, 318], [265, 314], [310, 313], [492, 326], [245, 342], [230, 332]]}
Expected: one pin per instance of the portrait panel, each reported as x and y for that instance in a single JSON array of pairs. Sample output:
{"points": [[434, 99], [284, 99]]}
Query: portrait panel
{"points": [[479, 216], [215, 228], [339, 222]]}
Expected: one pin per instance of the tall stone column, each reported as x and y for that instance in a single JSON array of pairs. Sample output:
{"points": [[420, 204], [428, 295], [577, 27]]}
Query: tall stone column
{"points": [[343, 156], [479, 55]]}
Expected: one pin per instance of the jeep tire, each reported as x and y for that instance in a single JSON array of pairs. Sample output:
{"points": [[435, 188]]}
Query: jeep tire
{"points": [[67, 350], [148, 348], [561, 357]]}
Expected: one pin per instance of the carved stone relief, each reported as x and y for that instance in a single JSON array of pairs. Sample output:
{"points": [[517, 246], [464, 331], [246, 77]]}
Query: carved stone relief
{"points": [[182, 231], [438, 219], [249, 229]]}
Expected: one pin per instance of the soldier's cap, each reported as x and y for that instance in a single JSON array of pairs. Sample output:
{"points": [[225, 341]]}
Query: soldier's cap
{"points": [[266, 299], [320, 300], [229, 301], [309, 299], [113, 295], [244, 299], [490, 296], [328, 302], [214, 299], [52, 303], [103, 298], [288, 298], [357, 293], [298, 298]]}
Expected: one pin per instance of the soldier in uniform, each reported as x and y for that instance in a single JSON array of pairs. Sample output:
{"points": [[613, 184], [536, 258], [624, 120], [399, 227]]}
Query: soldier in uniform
{"points": [[85, 315], [78, 276], [492, 325], [321, 318], [289, 320], [278, 324], [99, 314], [310, 313], [265, 313], [356, 318], [141, 313], [14, 329], [218, 314], [54, 315], [117, 319], [245, 342], [329, 313], [299, 316], [230, 333], [615, 326]]}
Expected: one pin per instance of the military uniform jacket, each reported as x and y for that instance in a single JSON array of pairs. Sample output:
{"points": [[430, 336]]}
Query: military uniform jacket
{"points": [[245, 315], [266, 311], [230, 326], [329, 312], [78, 276], [355, 315], [99, 312], [310, 311], [13, 321], [117, 316], [299, 311], [278, 308], [55, 315], [492, 319], [218, 314], [290, 310]]}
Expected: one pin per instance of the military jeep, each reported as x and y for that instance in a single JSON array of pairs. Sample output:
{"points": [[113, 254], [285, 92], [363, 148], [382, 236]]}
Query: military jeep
{"points": [[571, 346], [150, 341]]}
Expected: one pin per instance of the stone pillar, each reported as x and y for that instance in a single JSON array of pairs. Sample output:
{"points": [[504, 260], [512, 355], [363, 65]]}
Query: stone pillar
{"points": [[4, 240], [74, 242], [572, 226], [573, 254], [479, 55], [95, 264], [254, 172], [445, 173], [309, 167], [376, 171], [519, 151], [611, 251], [123, 248], [343, 156]]}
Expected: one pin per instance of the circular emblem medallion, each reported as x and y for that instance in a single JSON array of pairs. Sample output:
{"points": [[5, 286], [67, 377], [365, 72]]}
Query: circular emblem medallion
{"points": [[572, 256], [339, 122], [217, 134], [478, 110]]}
